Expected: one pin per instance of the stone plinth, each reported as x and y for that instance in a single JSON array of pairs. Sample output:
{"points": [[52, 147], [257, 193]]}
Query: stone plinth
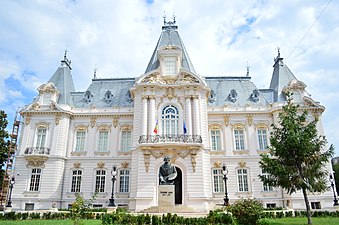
{"points": [[166, 195]]}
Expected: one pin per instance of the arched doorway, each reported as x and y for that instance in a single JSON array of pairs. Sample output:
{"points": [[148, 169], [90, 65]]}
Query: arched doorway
{"points": [[178, 187]]}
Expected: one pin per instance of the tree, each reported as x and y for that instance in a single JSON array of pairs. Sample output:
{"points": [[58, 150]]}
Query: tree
{"points": [[336, 177], [4, 144], [297, 158]]}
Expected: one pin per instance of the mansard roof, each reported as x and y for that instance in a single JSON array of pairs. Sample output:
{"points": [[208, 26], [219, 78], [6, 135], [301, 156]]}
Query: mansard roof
{"points": [[237, 91], [103, 93], [170, 37]]}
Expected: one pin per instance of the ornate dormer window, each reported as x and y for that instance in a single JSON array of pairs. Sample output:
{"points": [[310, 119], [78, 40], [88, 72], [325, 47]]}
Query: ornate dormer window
{"points": [[233, 96], [170, 66], [108, 97], [88, 96], [129, 97], [255, 96], [213, 97]]}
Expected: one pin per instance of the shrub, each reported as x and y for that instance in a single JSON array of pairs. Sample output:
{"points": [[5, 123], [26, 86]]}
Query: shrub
{"points": [[219, 217], [247, 211]]}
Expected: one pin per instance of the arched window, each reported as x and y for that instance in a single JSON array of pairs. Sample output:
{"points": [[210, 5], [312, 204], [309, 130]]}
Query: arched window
{"points": [[170, 120]]}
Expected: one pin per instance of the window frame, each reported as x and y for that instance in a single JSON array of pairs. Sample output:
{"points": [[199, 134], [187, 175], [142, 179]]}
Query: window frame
{"points": [[126, 138], [243, 180], [124, 180], [215, 139], [76, 183], [218, 180], [103, 141], [170, 120], [170, 65], [266, 188], [262, 138], [82, 140], [100, 181], [239, 139], [35, 180]]}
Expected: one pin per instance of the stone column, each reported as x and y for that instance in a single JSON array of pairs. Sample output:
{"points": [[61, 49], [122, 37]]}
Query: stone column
{"points": [[188, 115], [196, 116], [144, 115], [151, 117]]}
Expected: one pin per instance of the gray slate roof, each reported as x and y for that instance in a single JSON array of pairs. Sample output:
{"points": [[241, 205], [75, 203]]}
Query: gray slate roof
{"points": [[105, 93], [281, 77], [221, 88], [170, 36], [63, 81]]}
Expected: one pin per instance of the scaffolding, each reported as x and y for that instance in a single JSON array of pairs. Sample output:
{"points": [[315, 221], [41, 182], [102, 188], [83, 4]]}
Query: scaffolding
{"points": [[10, 157]]}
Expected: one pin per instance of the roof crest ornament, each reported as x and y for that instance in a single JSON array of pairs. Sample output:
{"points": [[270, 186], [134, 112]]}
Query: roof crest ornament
{"points": [[95, 72], [65, 61], [247, 70], [170, 25], [278, 58]]}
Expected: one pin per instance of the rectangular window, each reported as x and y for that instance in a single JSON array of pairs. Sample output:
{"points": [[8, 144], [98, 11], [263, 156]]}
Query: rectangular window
{"points": [[100, 180], [126, 137], [76, 180], [215, 139], [124, 181], [242, 180], [80, 141], [315, 205], [29, 206], [271, 205], [262, 139], [266, 187], [218, 185], [41, 137], [35, 179], [103, 141], [239, 139], [170, 65]]}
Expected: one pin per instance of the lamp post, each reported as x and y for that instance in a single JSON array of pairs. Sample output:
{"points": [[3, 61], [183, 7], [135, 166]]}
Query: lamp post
{"points": [[11, 185], [335, 200], [114, 173], [225, 172]]}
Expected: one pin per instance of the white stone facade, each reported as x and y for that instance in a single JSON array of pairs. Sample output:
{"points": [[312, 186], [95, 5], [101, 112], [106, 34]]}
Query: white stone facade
{"points": [[68, 148]]}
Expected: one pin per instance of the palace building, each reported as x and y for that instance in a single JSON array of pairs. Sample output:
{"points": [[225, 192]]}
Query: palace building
{"points": [[70, 139]]}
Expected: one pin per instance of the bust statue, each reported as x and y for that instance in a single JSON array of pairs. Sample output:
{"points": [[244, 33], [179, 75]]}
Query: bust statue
{"points": [[167, 172]]}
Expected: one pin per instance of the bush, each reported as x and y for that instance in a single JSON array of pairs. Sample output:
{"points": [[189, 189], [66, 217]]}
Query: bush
{"points": [[247, 211], [219, 217]]}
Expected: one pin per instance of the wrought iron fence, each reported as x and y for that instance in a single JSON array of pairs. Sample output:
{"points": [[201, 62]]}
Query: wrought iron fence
{"points": [[181, 138], [37, 151]]}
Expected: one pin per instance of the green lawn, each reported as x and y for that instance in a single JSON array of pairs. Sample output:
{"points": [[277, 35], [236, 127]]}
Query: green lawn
{"points": [[48, 222], [303, 221], [283, 221]]}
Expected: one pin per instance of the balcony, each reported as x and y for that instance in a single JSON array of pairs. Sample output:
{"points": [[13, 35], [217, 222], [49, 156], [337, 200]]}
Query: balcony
{"points": [[168, 138], [36, 156], [37, 151]]}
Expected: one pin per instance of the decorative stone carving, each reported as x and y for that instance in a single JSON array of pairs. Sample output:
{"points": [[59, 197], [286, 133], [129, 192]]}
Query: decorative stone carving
{"points": [[250, 120], [77, 165], [187, 78], [115, 121], [48, 88], [147, 157], [153, 78], [57, 118], [28, 119], [93, 121], [227, 120], [217, 164], [100, 165], [35, 106], [36, 163], [125, 165], [170, 93], [242, 164]]}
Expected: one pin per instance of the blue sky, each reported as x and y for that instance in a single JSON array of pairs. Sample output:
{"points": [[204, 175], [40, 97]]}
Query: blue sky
{"points": [[118, 37]]}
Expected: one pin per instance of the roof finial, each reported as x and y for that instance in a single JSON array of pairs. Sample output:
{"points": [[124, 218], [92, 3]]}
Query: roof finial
{"points": [[247, 70], [164, 16], [95, 72], [278, 58], [66, 61], [170, 25]]}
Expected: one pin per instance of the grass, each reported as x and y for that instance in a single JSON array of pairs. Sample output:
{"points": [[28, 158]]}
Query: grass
{"points": [[48, 222], [303, 221], [283, 221]]}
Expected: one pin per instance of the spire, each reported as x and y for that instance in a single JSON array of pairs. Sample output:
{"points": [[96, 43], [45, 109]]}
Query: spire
{"points": [[281, 77], [63, 81], [247, 70], [95, 72], [170, 36]]}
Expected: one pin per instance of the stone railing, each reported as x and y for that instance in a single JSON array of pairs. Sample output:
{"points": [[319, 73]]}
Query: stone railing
{"points": [[168, 138], [37, 151]]}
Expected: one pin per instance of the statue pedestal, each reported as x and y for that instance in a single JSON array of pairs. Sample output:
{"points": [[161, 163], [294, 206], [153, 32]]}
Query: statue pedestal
{"points": [[166, 195]]}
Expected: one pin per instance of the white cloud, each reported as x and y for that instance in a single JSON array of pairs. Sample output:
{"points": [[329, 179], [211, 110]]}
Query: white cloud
{"points": [[119, 37]]}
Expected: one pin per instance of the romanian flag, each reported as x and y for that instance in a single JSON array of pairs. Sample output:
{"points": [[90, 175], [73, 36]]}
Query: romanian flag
{"points": [[156, 128], [185, 129]]}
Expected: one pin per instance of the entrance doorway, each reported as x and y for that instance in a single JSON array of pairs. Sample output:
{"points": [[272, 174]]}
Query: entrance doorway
{"points": [[178, 187]]}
